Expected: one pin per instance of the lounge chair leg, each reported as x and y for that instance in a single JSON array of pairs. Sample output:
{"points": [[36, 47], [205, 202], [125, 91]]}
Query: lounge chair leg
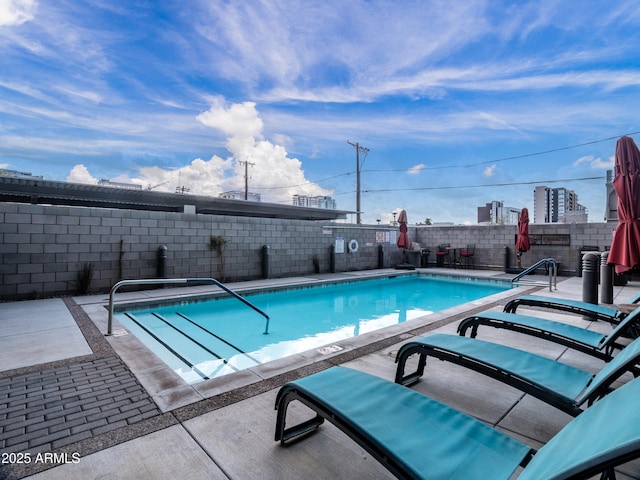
{"points": [[609, 474], [474, 331], [297, 432], [410, 378]]}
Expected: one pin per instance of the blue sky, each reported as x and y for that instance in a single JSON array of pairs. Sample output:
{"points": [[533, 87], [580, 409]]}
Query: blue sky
{"points": [[459, 102]]}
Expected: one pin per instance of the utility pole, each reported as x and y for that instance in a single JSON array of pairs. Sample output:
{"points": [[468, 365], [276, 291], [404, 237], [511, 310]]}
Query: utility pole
{"points": [[359, 148], [246, 177]]}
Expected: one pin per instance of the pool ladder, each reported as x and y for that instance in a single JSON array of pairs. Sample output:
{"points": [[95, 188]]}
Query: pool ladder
{"points": [[177, 281], [552, 267]]}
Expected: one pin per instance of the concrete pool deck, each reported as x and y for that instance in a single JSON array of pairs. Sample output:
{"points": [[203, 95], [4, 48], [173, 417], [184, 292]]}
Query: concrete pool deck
{"points": [[80, 405]]}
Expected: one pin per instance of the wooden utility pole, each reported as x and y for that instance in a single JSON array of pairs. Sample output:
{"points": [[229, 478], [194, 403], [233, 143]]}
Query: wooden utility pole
{"points": [[246, 177], [359, 148]]}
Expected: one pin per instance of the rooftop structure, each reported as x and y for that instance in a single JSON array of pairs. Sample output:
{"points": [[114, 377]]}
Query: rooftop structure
{"points": [[611, 205]]}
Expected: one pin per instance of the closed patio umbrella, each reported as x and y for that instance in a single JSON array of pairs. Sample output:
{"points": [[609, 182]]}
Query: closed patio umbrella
{"points": [[522, 243], [403, 242], [403, 239], [625, 246]]}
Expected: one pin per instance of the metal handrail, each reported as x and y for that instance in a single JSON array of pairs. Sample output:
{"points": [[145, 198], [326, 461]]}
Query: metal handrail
{"points": [[187, 281], [553, 273]]}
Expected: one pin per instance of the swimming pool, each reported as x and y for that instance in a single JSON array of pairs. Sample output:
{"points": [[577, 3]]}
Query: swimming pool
{"points": [[207, 339]]}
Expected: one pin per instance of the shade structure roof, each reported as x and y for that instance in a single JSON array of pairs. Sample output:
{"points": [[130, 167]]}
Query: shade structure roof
{"points": [[39, 191]]}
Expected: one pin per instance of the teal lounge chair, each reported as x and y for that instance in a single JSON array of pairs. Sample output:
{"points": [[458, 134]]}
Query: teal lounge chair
{"points": [[597, 312], [556, 383], [586, 341], [416, 437]]}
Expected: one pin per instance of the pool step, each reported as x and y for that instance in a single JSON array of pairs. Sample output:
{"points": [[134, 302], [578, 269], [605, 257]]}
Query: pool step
{"points": [[179, 344]]}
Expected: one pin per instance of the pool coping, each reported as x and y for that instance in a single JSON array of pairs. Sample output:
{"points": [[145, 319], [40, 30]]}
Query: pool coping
{"points": [[172, 394]]}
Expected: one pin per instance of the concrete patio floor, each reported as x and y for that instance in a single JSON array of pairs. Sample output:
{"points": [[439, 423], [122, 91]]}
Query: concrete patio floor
{"points": [[125, 415]]}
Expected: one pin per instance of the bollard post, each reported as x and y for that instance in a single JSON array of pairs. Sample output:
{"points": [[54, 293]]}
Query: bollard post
{"points": [[332, 259], [265, 261], [606, 279], [507, 260], [380, 256], [590, 278], [161, 267]]}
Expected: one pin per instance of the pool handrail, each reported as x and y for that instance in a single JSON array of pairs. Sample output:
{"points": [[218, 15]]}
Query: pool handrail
{"points": [[549, 263], [187, 281]]}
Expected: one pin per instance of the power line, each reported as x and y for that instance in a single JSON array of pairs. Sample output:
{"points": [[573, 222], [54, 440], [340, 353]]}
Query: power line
{"points": [[452, 187], [515, 157], [308, 182], [486, 162]]}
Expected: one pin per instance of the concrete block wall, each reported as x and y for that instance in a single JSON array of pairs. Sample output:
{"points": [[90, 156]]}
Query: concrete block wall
{"points": [[495, 244], [42, 248]]}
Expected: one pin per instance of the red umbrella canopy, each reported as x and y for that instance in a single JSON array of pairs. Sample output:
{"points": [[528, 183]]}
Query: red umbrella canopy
{"points": [[403, 239], [522, 243], [625, 246]]}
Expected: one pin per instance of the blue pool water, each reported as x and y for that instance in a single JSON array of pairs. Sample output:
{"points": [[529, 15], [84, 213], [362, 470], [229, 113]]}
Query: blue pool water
{"points": [[208, 339]]}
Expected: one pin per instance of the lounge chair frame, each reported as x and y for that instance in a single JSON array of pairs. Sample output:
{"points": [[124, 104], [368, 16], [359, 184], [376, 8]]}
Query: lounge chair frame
{"points": [[451, 348], [597, 312], [586, 341], [604, 437], [288, 436], [332, 411]]}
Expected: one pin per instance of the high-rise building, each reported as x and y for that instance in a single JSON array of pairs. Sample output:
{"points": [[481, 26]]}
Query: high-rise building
{"points": [[557, 205]]}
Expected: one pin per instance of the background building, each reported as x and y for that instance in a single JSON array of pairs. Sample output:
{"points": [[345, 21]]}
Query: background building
{"points": [[495, 213], [611, 205], [238, 195], [557, 205], [16, 174], [314, 202], [129, 186]]}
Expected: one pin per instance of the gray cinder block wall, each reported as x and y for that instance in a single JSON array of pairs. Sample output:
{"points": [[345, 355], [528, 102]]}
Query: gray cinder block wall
{"points": [[42, 248], [495, 243]]}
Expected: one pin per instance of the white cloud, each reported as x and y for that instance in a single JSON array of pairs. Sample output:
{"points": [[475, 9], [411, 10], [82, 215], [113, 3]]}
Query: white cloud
{"points": [[80, 174], [17, 12], [416, 169], [201, 177], [489, 171], [270, 169], [272, 173], [240, 120], [595, 162]]}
